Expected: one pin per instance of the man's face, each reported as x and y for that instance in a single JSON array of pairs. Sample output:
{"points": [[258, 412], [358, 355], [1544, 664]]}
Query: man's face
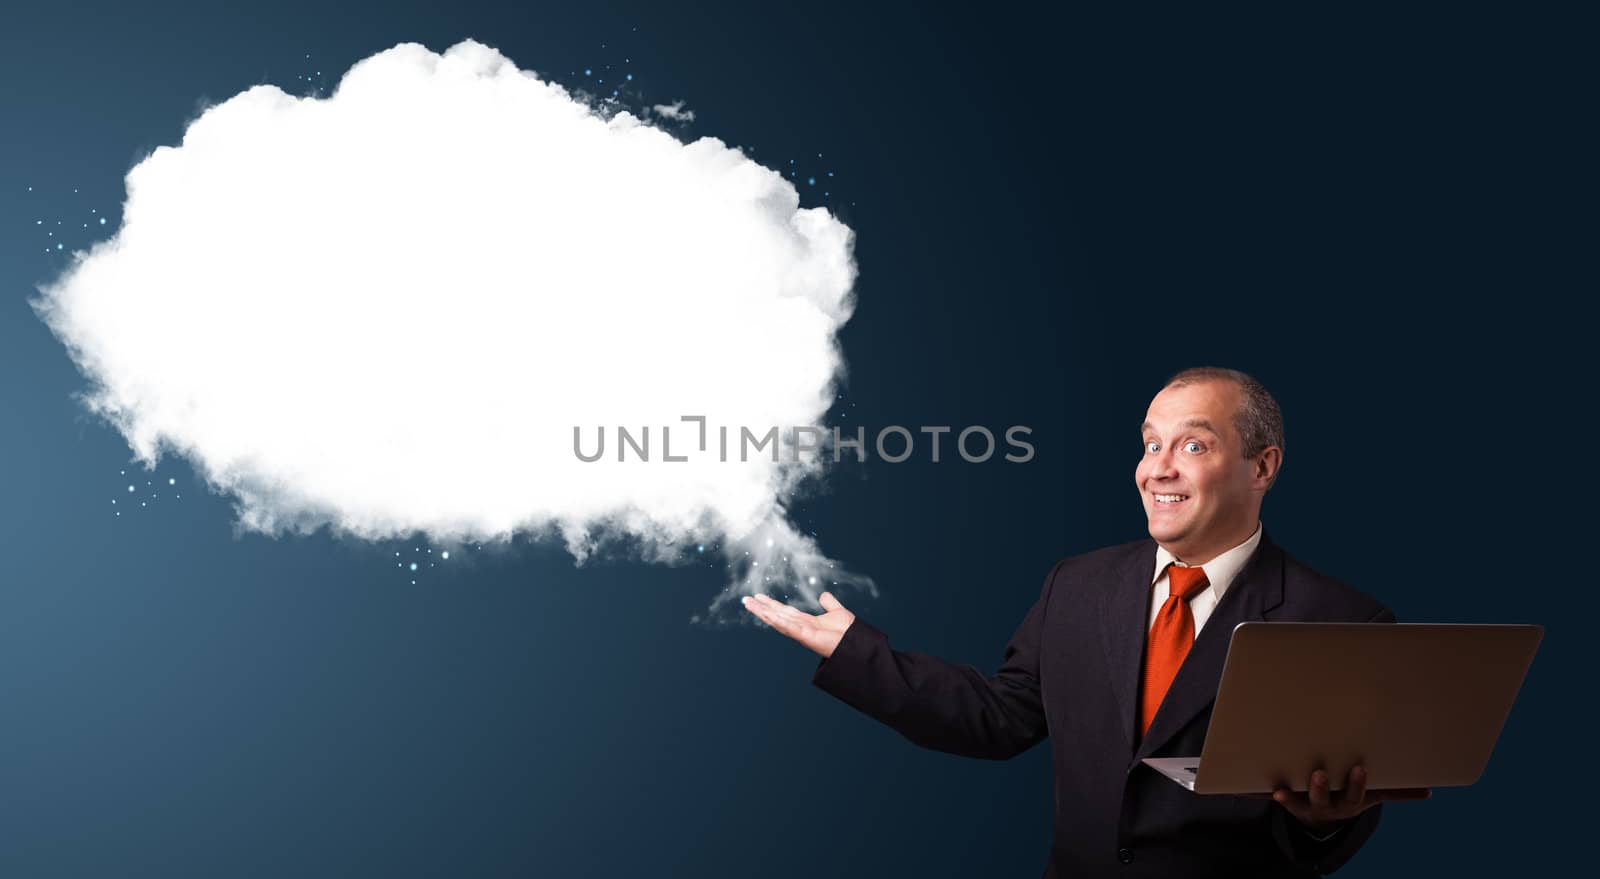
{"points": [[1201, 495]]}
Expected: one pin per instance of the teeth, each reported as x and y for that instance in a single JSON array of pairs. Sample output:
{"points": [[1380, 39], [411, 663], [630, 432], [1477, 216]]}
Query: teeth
{"points": [[1170, 498]]}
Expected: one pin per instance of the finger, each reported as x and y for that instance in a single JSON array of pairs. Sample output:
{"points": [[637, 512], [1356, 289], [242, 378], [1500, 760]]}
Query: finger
{"points": [[796, 623], [775, 605], [771, 617], [1293, 803], [767, 606], [755, 607], [792, 614], [1355, 787], [830, 603], [1318, 793]]}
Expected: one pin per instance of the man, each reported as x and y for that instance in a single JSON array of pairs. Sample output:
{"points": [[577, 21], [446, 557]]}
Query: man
{"points": [[1120, 657]]}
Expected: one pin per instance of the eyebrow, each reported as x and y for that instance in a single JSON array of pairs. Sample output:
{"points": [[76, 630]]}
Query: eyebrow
{"points": [[1201, 423]]}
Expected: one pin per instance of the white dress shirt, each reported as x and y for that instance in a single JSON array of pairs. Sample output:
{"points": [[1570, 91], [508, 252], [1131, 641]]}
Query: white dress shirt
{"points": [[1220, 572]]}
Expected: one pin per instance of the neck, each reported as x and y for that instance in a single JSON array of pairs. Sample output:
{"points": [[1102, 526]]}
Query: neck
{"points": [[1200, 553]]}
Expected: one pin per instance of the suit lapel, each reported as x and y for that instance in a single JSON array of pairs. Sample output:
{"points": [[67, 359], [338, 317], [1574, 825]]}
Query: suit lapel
{"points": [[1124, 623], [1254, 592]]}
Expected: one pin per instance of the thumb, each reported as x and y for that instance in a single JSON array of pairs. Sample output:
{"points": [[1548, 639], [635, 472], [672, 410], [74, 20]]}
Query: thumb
{"points": [[829, 602]]}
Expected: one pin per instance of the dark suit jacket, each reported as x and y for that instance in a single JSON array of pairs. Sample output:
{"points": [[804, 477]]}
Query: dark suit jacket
{"points": [[1072, 673]]}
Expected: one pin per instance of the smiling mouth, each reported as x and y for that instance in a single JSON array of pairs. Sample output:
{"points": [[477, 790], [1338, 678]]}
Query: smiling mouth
{"points": [[1168, 499]]}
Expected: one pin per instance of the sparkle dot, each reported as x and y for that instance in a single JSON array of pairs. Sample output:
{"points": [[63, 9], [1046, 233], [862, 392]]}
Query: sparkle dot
{"points": [[812, 181], [769, 541], [445, 554], [588, 72], [813, 581], [630, 77], [413, 566], [700, 548], [130, 488], [171, 481], [102, 221]]}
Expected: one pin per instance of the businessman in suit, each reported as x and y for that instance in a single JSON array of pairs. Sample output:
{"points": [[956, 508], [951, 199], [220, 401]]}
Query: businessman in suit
{"points": [[1120, 657]]}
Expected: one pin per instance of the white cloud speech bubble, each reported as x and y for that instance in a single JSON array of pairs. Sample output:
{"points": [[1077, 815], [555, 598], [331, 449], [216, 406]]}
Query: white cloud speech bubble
{"points": [[385, 312]]}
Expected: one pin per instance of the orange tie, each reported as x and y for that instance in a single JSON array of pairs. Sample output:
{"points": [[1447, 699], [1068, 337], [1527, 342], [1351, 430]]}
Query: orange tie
{"points": [[1170, 639]]}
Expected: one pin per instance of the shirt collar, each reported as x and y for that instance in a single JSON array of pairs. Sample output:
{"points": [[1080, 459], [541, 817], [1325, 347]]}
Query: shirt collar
{"points": [[1221, 570]]}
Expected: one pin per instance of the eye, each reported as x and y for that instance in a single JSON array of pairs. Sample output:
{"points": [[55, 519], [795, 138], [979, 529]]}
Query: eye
{"points": [[1193, 448], [1152, 448]]}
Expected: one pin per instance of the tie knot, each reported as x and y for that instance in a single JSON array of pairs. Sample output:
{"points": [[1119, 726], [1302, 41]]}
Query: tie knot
{"points": [[1186, 582]]}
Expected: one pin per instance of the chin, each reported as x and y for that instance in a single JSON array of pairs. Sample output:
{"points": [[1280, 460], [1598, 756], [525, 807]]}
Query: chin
{"points": [[1164, 535]]}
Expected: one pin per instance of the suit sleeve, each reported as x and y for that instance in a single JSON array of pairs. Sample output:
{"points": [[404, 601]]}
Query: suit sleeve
{"points": [[1323, 856], [1327, 855], [935, 704]]}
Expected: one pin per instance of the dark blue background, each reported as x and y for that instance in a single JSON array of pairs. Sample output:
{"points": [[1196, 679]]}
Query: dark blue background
{"points": [[1373, 213]]}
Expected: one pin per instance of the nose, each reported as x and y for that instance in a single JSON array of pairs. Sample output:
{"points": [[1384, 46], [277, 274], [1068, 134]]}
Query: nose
{"points": [[1159, 465]]}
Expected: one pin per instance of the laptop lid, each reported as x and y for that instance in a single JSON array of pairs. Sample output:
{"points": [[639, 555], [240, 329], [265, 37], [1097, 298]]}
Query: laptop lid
{"points": [[1417, 705]]}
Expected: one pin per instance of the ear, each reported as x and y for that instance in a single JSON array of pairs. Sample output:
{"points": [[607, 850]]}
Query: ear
{"points": [[1264, 468]]}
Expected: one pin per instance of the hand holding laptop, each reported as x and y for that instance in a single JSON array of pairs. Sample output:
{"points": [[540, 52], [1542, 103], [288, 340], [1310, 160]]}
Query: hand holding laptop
{"points": [[1322, 810]]}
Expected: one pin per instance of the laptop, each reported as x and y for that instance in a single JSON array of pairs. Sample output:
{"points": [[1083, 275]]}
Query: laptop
{"points": [[1415, 704]]}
